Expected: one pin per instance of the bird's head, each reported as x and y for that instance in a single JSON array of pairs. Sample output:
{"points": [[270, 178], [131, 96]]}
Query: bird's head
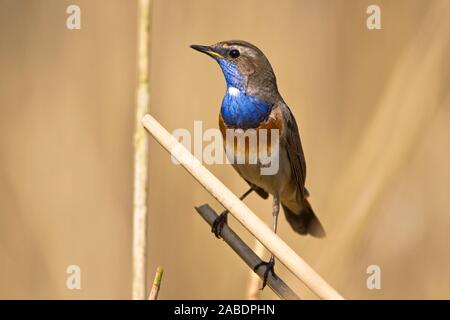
{"points": [[244, 66]]}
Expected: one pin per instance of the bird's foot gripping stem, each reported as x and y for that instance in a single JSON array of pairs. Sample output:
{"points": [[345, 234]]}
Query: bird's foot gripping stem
{"points": [[218, 224], [221, 220], [269, 268]]}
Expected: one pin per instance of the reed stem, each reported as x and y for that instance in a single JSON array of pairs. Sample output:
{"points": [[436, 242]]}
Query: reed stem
{"points": [[141, 154]]}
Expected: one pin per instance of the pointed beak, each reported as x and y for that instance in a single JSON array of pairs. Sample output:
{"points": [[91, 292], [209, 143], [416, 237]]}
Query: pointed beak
{"points": [[207, 50]]}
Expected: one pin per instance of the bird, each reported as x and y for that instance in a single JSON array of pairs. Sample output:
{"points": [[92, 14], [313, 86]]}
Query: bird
{"points": [[252, 102]]}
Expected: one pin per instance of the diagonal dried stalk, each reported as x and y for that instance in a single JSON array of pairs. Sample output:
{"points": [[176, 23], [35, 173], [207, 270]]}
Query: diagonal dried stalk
{"points": [[141, 154], [255, 283], [279, 287], [241, 212]]}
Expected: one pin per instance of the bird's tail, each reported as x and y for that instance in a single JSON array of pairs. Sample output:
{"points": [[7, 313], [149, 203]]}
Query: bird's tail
{"points": [[305, 222]]}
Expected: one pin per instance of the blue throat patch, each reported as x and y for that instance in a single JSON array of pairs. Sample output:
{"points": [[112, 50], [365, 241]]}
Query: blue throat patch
{"points": [[240, 110]]}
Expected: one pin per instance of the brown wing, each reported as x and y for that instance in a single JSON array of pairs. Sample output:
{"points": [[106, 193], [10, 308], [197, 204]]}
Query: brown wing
{"points": [[294, 149]]}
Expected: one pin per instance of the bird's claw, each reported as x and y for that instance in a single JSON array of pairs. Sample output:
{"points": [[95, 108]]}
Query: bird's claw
{"points": [[218, 224], [269, 268]]}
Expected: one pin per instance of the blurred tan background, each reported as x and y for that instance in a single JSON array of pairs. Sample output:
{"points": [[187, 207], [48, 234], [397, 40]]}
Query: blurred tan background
{"points": [[373, 109]]}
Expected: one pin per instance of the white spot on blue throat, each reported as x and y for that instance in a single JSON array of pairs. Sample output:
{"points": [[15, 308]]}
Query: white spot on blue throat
{"points": [[233, 91]]}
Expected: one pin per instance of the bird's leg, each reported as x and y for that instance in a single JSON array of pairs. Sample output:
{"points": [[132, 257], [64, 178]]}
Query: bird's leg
{"points": [[222, 219], [269, 266]]}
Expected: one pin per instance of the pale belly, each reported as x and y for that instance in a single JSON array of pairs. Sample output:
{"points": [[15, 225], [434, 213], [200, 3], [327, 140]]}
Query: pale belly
{"points": [[279, 183], [273, 182]]}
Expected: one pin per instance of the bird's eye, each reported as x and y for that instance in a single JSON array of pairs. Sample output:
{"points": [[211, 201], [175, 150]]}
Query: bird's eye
{"points": [[234, 53]]}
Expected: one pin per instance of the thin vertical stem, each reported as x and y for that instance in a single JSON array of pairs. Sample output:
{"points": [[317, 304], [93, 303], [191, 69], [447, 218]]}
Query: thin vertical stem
{"points": [[141, 154], [156, 284]]}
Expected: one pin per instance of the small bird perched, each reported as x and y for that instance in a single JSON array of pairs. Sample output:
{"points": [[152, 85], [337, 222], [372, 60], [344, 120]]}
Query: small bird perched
{"points": [[252, 101]]}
